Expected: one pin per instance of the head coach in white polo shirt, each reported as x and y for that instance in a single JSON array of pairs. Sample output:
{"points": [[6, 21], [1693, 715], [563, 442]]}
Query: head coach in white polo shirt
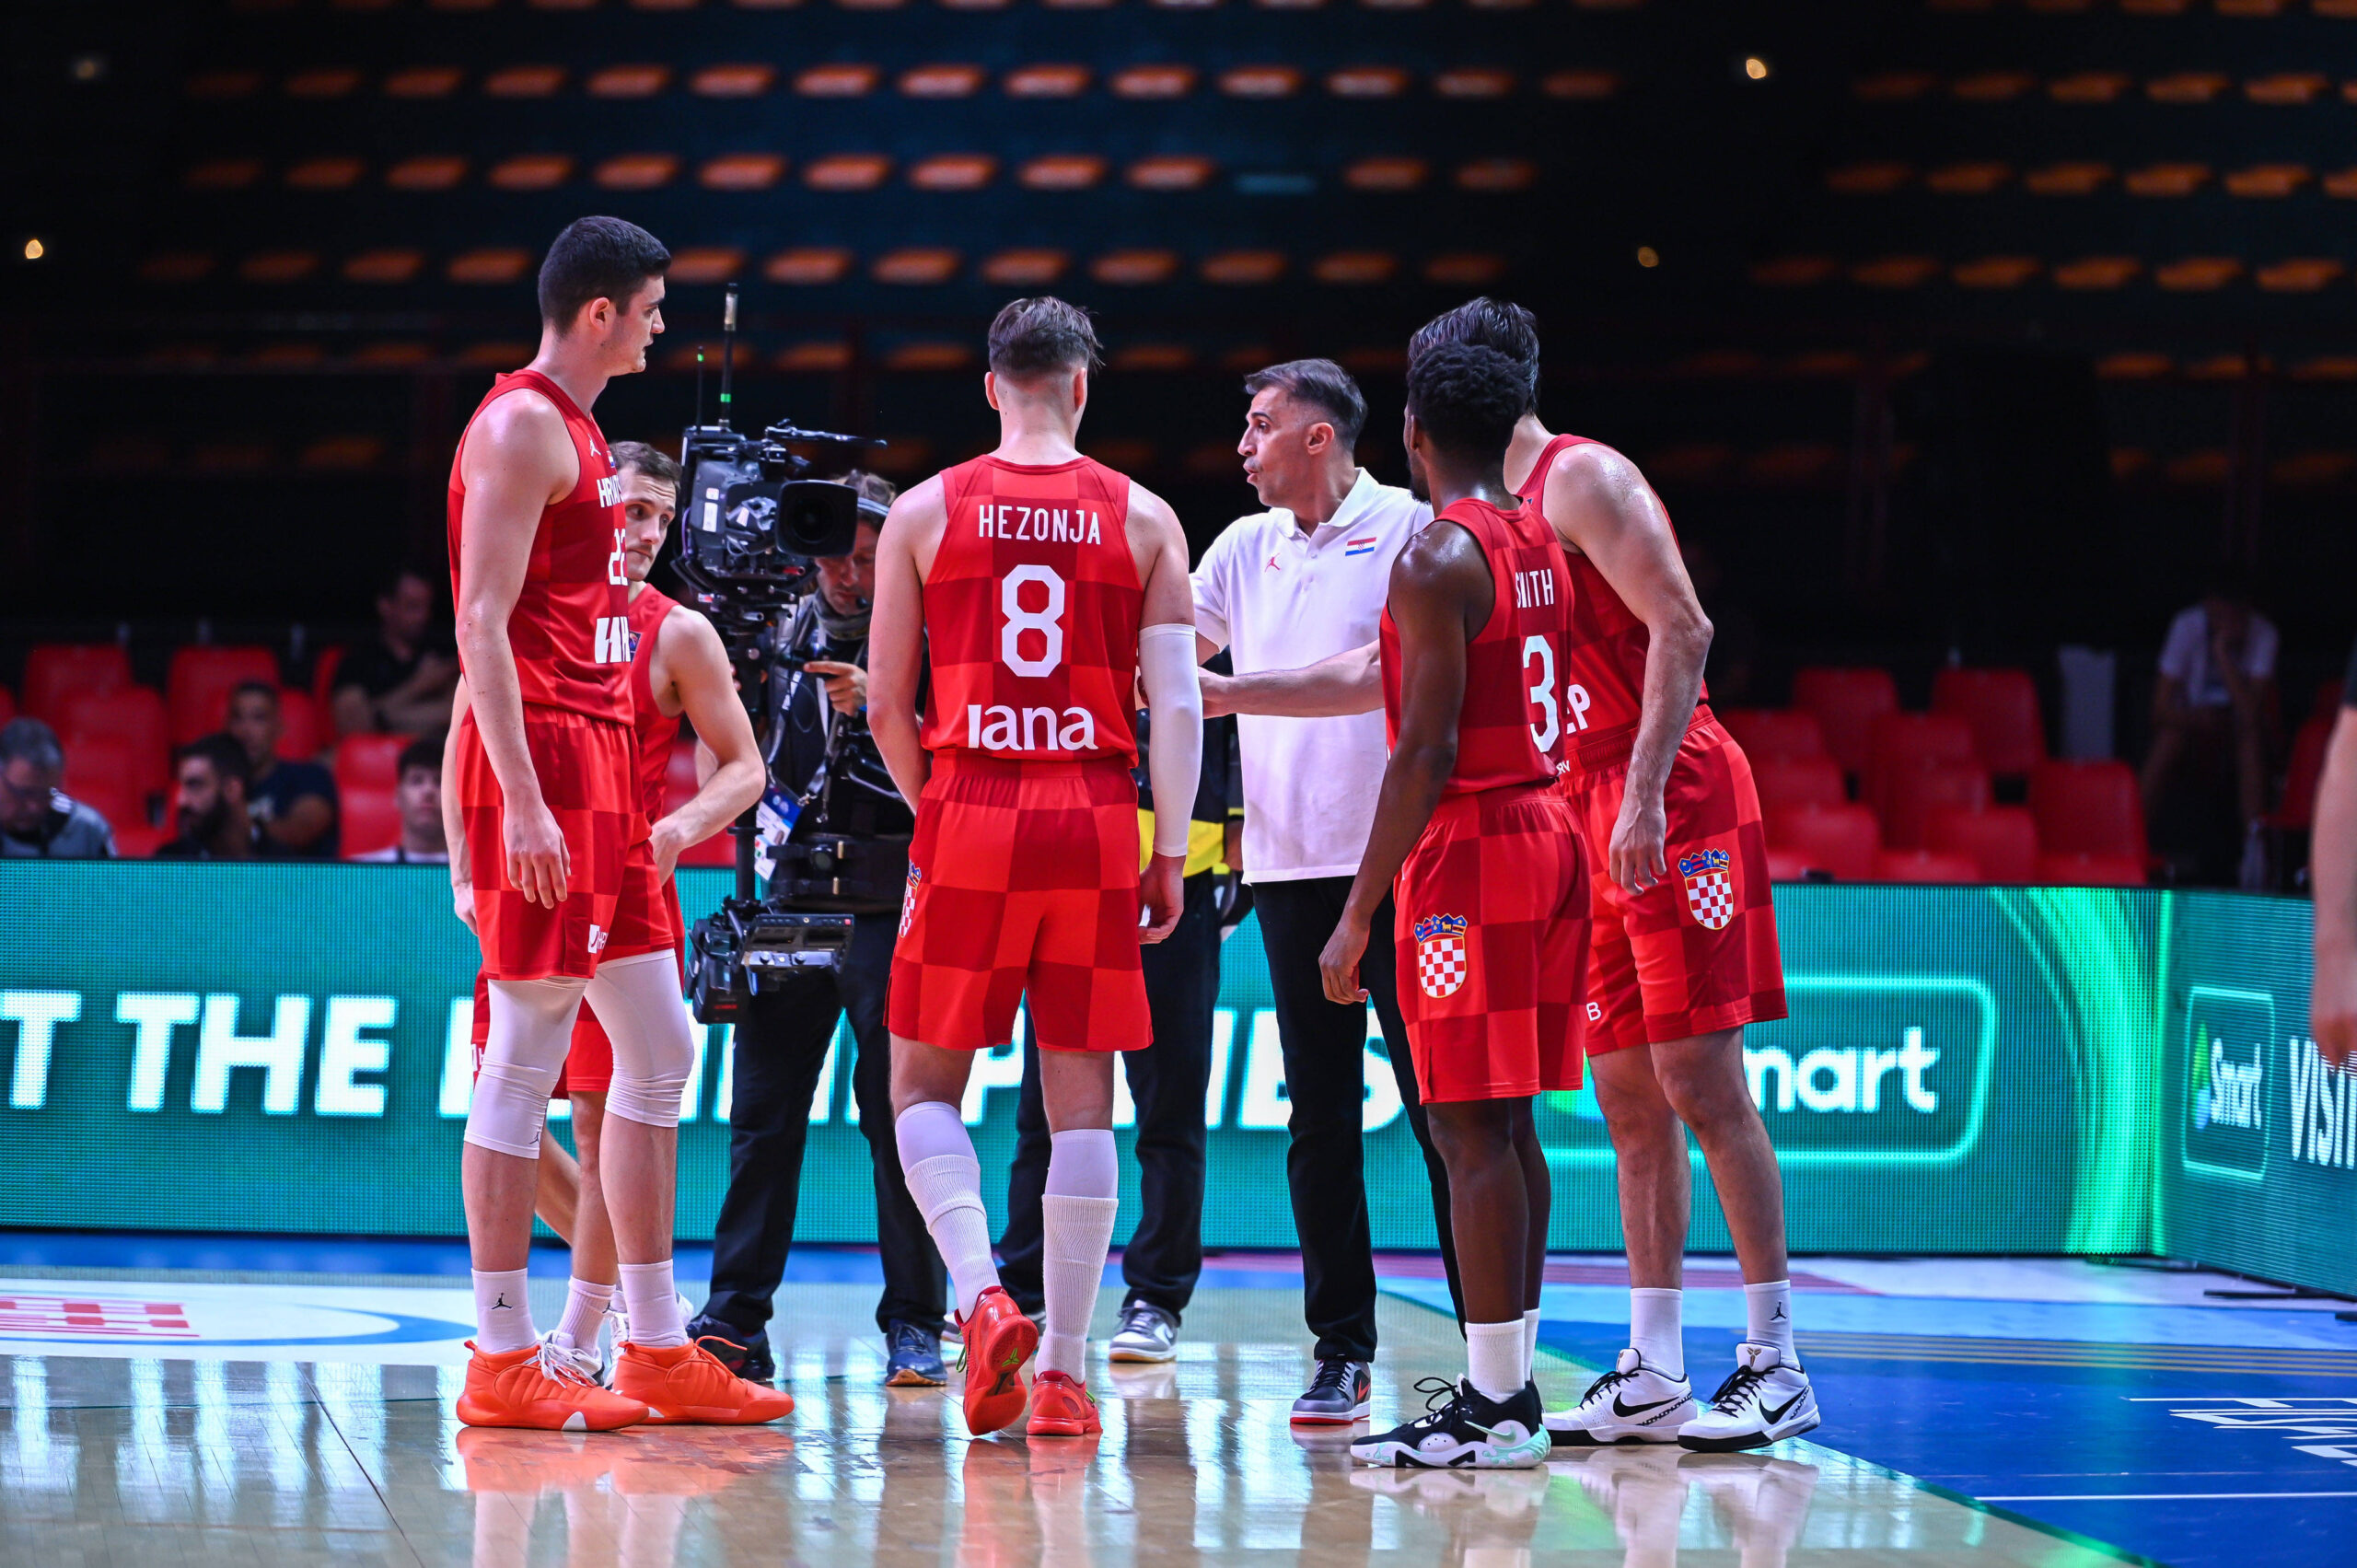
{"points": [[1280, 589]]}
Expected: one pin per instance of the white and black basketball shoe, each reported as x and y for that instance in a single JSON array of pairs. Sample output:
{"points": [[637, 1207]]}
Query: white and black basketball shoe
{"points": [[1631, 1403], [1764, 1401], [1462, 1429]]}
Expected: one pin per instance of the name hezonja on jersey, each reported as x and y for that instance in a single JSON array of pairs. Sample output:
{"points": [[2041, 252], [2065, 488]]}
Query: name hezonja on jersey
{"points": [[1044, 525]]}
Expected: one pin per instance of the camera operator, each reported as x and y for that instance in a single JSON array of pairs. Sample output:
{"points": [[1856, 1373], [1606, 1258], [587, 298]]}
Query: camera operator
{"points": [[828, 784]]}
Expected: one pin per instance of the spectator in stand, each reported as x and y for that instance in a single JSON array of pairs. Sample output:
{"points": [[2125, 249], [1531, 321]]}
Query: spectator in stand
{"points": [[211, 808], [2214, 712], [292, 805], [36, 817], [419, 796], [400, 682]]}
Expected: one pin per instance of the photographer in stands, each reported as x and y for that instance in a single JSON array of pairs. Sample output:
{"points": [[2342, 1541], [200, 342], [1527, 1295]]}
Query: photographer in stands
{"points": [[210, 775], [845, 851], [37, 818], [292, 803]]}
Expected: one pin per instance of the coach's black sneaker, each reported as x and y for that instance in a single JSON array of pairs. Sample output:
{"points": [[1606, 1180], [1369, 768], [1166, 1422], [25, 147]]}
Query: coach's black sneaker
{"points": [[913, 1358], [747, 1355], [1463, 1429], [1764, 1401], [1342, 1392], [1631, 1403]]}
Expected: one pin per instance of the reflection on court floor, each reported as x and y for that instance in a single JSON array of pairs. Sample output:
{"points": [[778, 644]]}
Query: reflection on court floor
{"points": [[156, 1458]]}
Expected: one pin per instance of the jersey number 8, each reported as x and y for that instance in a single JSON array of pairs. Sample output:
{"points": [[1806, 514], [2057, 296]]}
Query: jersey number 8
{"points": [[1046, 621]]}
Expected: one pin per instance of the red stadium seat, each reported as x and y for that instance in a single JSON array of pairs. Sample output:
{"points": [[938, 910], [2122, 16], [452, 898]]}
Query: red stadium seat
{"points": [[1799, 781], [7, 705], [1910, 795], [679, 778], [2297, 809], [102, 773], [1846, 702], [1924, 865], [138, 841], [1897, 742], [54, 671], [718, 849], [1764, 733], [368, 761], [2002, 840], [303, 725], [1787, 866], [323, 668], [132, 714], [2001, 707], [2088, 808], [2080, 870], [1838, 839], [371, 817], [197, 690]]}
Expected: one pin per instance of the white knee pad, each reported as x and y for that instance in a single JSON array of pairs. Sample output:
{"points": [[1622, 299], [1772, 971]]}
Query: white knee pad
{"points": [[531, 1030], [638, 1002]]}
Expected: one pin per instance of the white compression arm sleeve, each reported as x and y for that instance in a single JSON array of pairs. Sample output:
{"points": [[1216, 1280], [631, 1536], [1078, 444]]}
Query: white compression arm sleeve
{"points": [[1174, 761]]}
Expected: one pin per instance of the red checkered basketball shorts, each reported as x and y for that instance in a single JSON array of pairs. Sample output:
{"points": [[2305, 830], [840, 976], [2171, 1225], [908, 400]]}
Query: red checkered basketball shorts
{"points": [[589, 1059], [1696, 952], [1493, 927], [1023, 882], [588, 774]]}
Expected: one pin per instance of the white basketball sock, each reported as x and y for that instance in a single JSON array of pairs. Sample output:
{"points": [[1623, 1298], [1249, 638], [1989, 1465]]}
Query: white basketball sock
{"points": [[653, 1302], [1077, 1224], [1768, 1314], [503, 1311], [584, 1311], [1493, 1358], [1529, 1343], [1654, 1332], [945, 1182]]}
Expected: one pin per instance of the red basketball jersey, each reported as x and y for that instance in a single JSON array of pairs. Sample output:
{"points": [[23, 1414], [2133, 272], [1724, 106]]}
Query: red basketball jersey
{"points": [[1031, 614], [570, 626], [655, 733], [1510, 730], [1604, 666]]}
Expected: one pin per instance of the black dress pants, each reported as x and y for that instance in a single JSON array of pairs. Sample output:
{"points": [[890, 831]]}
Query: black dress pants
{"points": [[781, 1046], [1168, 1081], [1324, 1046]]}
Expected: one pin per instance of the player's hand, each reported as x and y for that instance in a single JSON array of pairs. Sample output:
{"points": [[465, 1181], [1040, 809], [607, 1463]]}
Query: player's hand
{"points": [[1338, 966], [1216, 693], [1162, 888], [846, 684], [668, 843], [1635, 856], [2332, 1007], [462, 903], [538, 862]]}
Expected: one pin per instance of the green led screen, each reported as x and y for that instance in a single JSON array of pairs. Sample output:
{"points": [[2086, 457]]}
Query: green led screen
{"points": [[1966, 1070]]}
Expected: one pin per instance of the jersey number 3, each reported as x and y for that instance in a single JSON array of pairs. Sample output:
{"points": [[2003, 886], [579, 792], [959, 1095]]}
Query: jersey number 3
{"points": [[1046, 623], [1542, 691]]}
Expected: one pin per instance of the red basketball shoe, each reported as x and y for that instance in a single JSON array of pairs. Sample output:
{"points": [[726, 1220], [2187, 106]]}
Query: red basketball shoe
{"points": [[998, 1340], [1062, 1406], [530, 1389], [687, 1386]]}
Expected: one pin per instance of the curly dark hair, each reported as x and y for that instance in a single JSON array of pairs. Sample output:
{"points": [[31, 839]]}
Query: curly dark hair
{"points": [[1489, 323], [1466, 399]]}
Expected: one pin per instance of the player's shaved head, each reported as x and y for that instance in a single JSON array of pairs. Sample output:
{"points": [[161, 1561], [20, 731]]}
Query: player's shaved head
{"points": [[1036, 338], [1489, 323], [597, 259], [1465, 400]]}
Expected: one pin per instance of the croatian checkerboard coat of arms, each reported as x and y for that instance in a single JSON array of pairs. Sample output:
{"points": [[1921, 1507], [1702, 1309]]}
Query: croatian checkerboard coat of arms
{"points": [[1710, 891], [1442, 957]]}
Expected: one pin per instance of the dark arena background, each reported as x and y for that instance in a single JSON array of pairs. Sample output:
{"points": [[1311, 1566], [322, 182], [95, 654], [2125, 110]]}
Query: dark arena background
{"points": [[1973, 345]]}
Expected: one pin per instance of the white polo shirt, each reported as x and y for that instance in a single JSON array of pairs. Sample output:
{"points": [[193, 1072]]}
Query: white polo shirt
{"points": [[1279, 599]]}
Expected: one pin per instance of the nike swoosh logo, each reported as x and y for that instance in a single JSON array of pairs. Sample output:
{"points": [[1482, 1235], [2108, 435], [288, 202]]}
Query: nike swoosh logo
{"points": [[1774, 1416], [1625, 1411]]}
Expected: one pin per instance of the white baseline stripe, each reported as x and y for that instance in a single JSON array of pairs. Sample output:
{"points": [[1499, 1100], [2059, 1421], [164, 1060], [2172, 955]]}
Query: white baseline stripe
{"points": [[2157, 1496]]}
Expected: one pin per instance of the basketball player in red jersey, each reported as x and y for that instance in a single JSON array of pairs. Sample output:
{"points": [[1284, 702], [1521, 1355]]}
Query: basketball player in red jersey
{"points": [[1040, 587], [1490, 882], [678, 667], [1686, 950], [566, 900]]}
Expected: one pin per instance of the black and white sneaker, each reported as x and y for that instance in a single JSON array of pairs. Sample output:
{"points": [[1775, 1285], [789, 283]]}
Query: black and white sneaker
{"points": [[1462, 1429], [1342, 1392], [1631, 1403], [1147, 1333], [1764, 1401]]}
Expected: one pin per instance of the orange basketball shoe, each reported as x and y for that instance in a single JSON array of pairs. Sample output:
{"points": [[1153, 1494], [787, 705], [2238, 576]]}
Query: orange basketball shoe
{"points": [[527, 1387], [998, 1340], [686, 1386], [1062, 1406]]}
